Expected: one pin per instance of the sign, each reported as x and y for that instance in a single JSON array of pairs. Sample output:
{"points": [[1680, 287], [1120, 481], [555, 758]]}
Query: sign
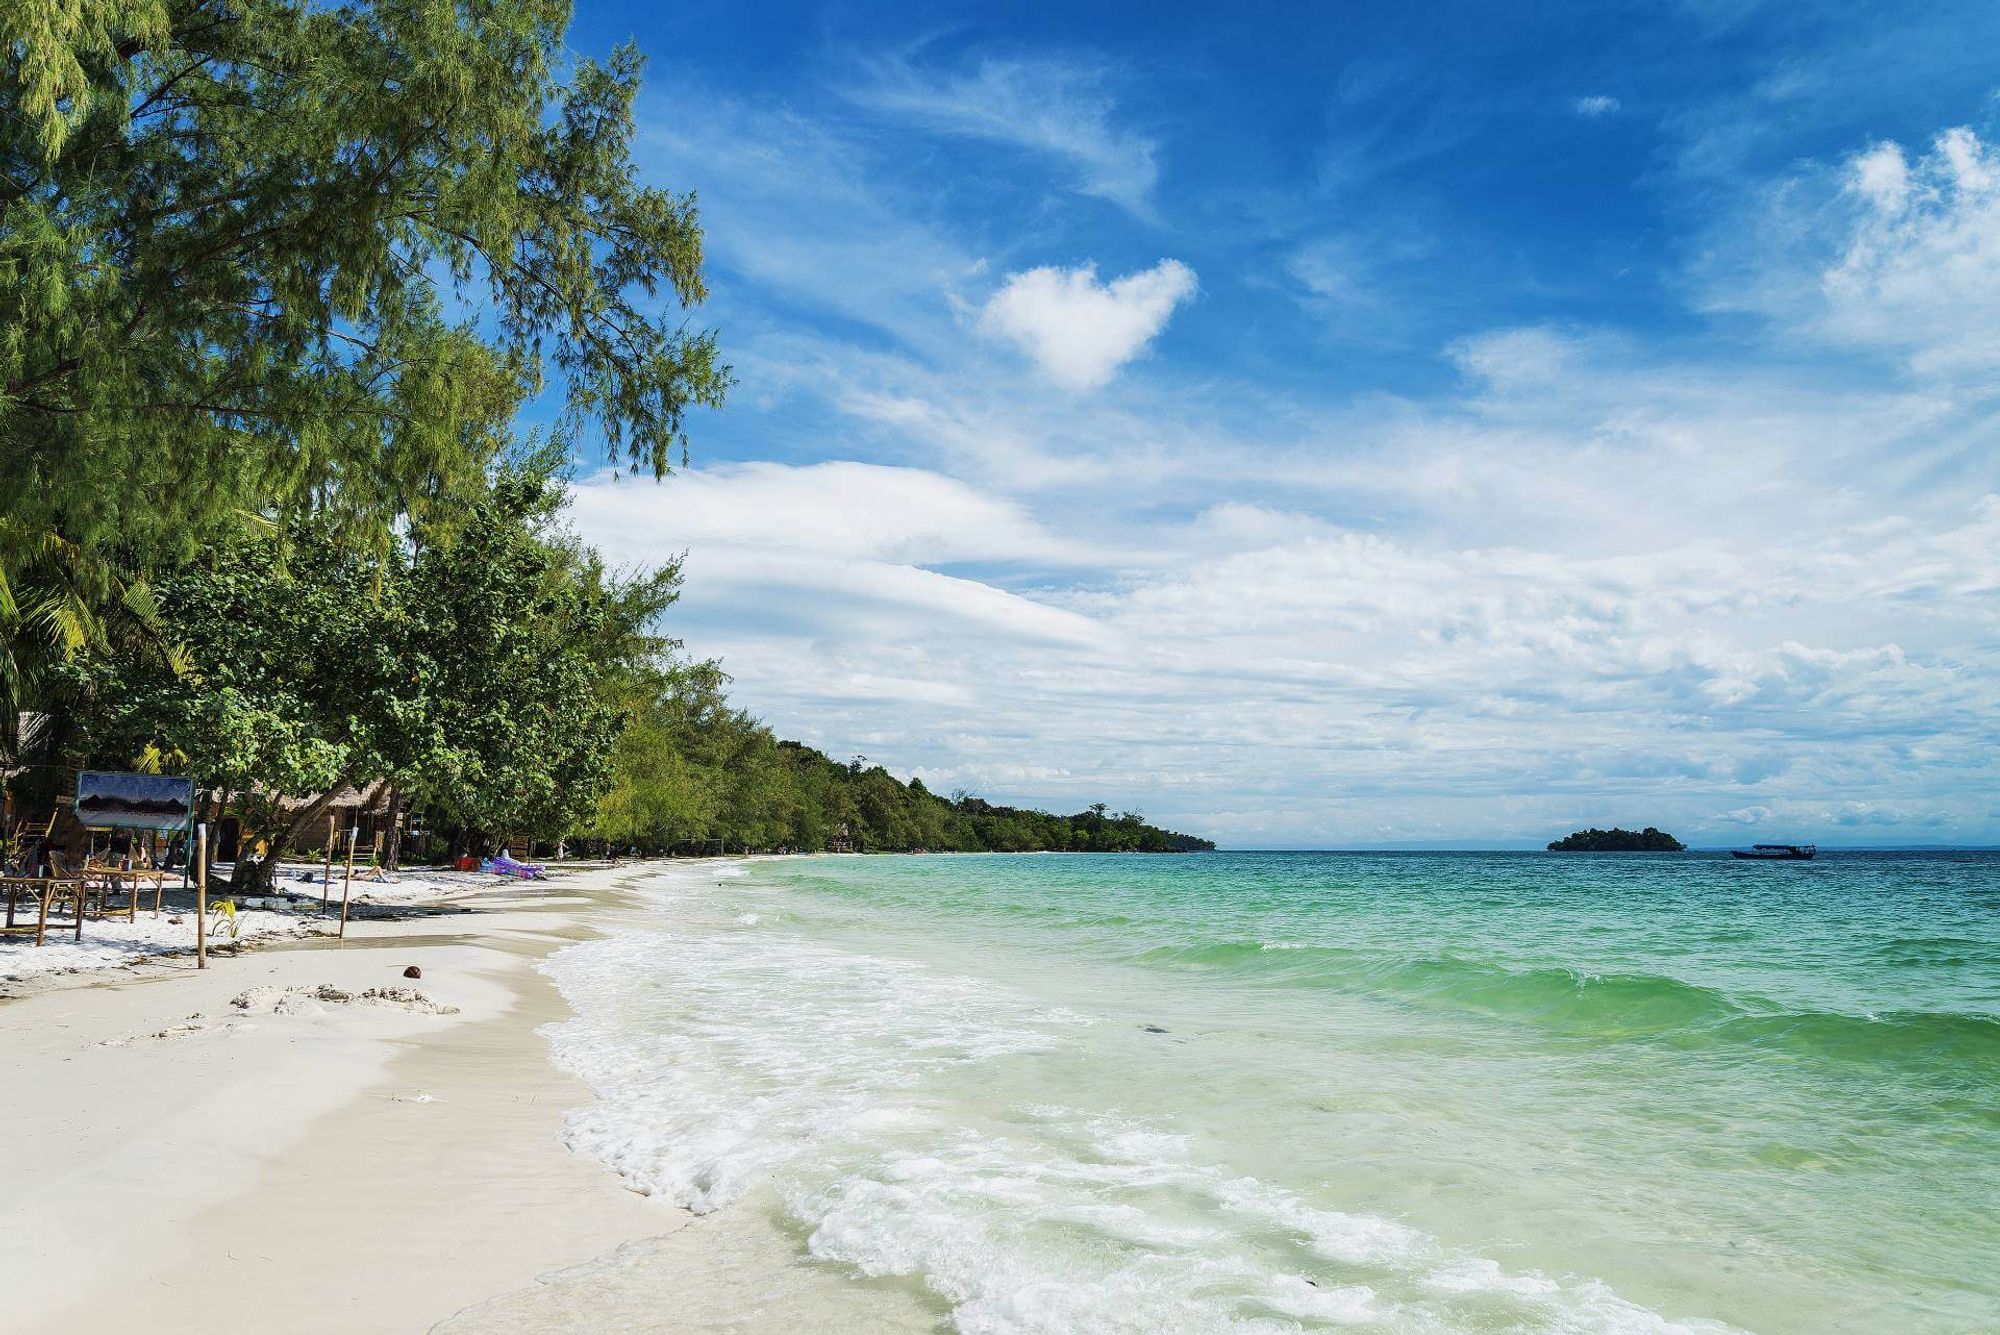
{"points": [[133, 801]]}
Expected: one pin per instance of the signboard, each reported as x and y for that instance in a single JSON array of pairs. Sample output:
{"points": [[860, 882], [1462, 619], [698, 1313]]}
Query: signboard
{"points": [[133, 801]]}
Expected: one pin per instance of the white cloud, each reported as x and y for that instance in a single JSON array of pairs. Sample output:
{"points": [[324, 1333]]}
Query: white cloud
{"points": [[838, 509], [1331, 273], [1268, 658], [1516, 358], [836, 549], [1889, 251], [1594, 106], [1080, 331], [1050, 107], [1599, 582], [1882, 175], [1920, 271]]}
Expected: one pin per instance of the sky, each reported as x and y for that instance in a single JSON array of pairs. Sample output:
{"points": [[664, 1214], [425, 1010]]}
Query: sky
{"points": [[1349, 425]]}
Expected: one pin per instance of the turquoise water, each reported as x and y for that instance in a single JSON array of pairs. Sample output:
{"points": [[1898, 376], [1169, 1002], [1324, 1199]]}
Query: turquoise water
{"points": [[1404, 1092]]}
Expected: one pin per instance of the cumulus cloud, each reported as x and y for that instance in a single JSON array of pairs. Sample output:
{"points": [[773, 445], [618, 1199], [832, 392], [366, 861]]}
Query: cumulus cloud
{"points": [[1254, 655], [1920, 268], [1079, 330], [1882, 176], [1054, 108], [1892, 251], [1594, 106]]}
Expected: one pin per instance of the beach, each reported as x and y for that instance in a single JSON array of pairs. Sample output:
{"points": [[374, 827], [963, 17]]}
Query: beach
{"points": [[1018, 1095], [303, 1164]]}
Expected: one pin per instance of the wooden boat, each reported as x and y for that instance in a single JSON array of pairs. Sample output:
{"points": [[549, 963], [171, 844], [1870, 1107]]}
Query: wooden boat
{"points": [[1776, 852]]}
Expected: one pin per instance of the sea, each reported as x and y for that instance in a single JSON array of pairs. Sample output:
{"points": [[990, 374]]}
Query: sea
{"points": [[1269, 1092]]}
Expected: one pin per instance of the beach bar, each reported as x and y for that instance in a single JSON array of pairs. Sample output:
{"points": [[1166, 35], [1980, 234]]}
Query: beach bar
{"points": [[133, 808]]}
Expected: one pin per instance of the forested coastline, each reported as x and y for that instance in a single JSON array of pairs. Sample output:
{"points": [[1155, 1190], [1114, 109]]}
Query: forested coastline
{"points": [[694, 775], [282, 283]]}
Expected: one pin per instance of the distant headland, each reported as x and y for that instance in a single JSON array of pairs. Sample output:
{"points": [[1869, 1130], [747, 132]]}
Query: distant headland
{"points": [[1648, 840]]}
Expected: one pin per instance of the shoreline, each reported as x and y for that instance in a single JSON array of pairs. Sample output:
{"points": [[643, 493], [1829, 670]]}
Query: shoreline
{"points": [[316, 1164]]}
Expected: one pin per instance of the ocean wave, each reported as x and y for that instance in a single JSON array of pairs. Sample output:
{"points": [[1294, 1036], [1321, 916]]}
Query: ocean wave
{"points": [[1058, 1234], [1947, 1039], [1933, 952], [1607, 1006], [716, 1064], [869, 1094]]}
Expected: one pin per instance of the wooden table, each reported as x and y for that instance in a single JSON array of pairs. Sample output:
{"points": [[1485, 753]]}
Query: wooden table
{"points": [[107, 879], [47, 890]]}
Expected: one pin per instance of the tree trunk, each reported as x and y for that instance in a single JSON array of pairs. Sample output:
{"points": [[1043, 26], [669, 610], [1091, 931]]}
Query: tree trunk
{"points": [[279, 841], [392, 845]]}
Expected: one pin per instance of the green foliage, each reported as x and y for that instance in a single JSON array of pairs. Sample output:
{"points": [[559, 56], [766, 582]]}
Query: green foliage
{"points": [[279, 258], [693, 774], [1593, 840], [470, 671], [276, 279], [286, 642], [223, 911], [514, 643]]}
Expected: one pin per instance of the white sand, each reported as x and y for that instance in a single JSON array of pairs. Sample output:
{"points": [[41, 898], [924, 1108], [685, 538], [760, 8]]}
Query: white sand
{"points": [[293, 911], [311, 1160], [117, 944]]}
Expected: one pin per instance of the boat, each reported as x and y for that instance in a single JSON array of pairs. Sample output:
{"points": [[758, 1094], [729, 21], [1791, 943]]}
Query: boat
{"points": [[1776, 852]]}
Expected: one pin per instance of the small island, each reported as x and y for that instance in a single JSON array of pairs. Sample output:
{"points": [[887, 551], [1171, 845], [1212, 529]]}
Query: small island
{"points": [[1648, 840]]}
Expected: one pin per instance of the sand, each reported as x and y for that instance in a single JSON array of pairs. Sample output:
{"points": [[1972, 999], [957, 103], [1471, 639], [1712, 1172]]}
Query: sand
{"points": [[314, 1159]]}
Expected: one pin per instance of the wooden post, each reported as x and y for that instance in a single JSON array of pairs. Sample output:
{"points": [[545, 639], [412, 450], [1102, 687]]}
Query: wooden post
{"points": [[326, 875], [201, 896], [347, 881]]}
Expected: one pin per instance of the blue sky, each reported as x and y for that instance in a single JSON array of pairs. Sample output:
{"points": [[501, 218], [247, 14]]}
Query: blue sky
{"points": [[1351, 425]]}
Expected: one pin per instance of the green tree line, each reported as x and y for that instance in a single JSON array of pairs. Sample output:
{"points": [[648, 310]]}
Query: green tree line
{"points": [[502, 683], [693, 774]]}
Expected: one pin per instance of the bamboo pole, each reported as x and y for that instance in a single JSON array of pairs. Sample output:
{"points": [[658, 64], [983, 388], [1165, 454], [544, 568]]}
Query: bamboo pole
{"points": [[347, 881], [326, 875], [201, 896]]}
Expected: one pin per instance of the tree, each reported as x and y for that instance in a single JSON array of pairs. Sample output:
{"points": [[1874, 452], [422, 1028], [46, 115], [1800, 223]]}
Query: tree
{"points": [[515, 644], [285, 684], [468, 673], [692, 772], [279, 257], [1616, 840]]}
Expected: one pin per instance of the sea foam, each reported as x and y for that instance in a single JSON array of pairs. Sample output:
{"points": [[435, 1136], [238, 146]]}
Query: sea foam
{"points": [[911, 1122]]}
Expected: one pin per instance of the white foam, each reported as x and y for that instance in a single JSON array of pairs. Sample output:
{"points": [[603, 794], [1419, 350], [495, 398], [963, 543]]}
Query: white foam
{"points": [[1344, 1304], [914, 1122], [1359, 1239]]}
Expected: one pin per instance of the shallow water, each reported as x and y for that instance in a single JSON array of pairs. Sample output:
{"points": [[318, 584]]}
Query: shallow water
{"points": [[1273, 1092]]}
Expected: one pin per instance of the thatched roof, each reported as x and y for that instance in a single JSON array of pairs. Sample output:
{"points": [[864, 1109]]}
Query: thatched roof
{"points": [[370, 799]]}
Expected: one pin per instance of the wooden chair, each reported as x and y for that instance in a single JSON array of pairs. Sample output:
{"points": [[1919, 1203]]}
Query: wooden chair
{"points": [[100, 885]]}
